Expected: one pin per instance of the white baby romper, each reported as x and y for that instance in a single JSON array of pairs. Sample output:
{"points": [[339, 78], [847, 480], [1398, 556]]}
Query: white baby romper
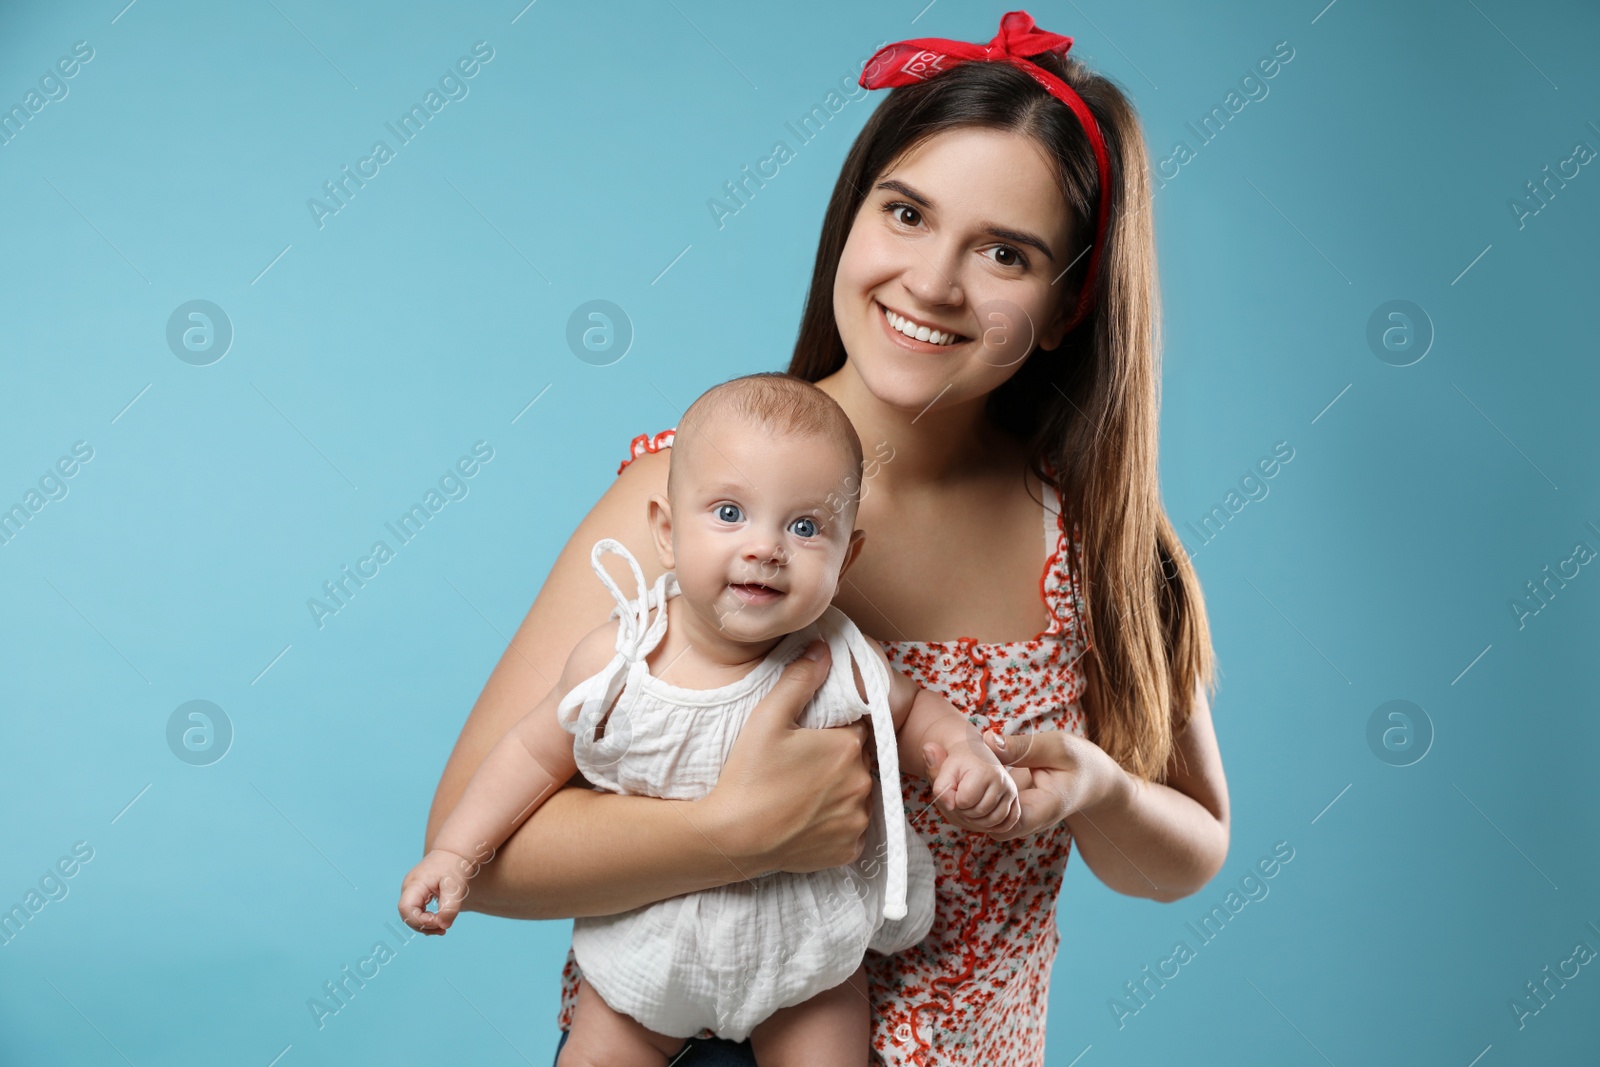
{"points": [[725, 958]]}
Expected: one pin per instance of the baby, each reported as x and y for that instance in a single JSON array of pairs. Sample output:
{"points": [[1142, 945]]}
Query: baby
{"points": [[756, 531]]}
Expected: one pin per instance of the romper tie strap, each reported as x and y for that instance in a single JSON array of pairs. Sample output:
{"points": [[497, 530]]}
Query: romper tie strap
{"points": [[873, 673], [637, 636]]}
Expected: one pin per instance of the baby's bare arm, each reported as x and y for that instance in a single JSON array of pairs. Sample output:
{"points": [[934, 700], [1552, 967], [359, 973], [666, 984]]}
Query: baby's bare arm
{"points": [[974, 790], [921, 716], [527, 765]]}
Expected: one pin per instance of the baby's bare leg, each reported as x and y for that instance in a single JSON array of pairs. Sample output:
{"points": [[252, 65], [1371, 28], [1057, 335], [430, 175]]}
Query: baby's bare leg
{"points": [[833, 1027], [601, 1036]]}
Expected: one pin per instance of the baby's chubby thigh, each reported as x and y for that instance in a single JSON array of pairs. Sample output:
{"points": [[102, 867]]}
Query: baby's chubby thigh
{"points": [[833, 1027], [603, 1037]]}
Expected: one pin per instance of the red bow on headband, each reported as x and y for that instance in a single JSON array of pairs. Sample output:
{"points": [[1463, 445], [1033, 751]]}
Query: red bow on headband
{"points": [[917, 60]]}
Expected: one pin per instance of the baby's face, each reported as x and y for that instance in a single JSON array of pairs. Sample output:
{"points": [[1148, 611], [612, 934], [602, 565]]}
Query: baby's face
{"points": [[760, 531]]}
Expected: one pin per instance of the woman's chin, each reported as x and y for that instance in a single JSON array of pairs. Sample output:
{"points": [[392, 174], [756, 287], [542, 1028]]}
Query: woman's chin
{"points": [[912, 390]]}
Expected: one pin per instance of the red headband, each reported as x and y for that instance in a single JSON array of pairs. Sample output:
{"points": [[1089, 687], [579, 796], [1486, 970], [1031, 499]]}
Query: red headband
{"points": [[909, 62]]}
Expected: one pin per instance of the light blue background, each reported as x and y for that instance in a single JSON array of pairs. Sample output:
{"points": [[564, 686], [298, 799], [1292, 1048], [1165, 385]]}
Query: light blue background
{"points": [[427, 314]]}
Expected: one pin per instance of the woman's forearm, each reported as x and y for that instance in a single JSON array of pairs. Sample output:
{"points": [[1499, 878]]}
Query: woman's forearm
{"points": [[589, 852], [1149, 840]]}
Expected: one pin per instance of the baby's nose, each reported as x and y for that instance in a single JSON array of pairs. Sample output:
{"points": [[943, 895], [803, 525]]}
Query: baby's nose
{"points": [[767, 552]]}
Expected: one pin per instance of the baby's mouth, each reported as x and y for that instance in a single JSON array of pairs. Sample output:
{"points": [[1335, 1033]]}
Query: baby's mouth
{"points": [[753, 593]]}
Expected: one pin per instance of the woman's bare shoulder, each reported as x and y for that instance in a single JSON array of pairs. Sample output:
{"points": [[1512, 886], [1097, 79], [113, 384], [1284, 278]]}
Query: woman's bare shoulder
{"points": [[623, 514], [572, 601], [625, 507], [649, 465]]}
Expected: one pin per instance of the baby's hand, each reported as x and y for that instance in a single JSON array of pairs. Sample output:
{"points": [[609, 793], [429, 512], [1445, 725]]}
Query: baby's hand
{"points": [[437, 877], [973, 789]]}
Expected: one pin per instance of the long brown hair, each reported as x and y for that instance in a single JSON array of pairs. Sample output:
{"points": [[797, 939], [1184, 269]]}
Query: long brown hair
{"points": [[1089, 408]]}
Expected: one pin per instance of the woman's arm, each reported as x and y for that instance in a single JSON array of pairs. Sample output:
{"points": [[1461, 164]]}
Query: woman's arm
{"points": [[787, 799], [1161, 841], [1140, 838]]}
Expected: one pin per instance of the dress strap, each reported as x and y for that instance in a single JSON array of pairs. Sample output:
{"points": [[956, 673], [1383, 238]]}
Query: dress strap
{"points": [[1060, 592], [1052, 518], [645, 443]]}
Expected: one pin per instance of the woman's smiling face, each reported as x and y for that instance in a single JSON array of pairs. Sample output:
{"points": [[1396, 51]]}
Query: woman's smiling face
{"points": [[965, 235]]}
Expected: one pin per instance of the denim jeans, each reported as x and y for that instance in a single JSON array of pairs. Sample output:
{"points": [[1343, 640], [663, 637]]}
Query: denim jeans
{"points": [[714, 1052]]}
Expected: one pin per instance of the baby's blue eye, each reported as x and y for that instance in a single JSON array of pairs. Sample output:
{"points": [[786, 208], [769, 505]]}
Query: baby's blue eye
{"points": [[723, 512], [806, 527]]}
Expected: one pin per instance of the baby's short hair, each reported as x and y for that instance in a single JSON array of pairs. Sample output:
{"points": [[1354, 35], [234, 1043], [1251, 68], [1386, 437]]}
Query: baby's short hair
{"points": [[783, 404]]}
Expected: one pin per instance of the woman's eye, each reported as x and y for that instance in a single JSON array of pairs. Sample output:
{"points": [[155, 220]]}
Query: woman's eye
{"points": [[806, 527], [1017, 258], [896, 207], [728, 512]]}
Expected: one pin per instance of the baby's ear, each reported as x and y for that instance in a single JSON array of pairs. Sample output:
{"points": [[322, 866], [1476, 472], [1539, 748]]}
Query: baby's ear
{"points": [[858, 537], [660, 520]]}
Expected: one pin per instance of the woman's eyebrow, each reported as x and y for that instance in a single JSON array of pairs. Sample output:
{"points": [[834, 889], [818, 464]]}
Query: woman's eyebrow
{"points": [[1004, 233], [904, 190]]}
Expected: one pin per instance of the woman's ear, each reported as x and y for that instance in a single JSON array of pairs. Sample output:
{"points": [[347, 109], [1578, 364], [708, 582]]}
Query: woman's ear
{"points": [[1051, 336], [661, 529]]}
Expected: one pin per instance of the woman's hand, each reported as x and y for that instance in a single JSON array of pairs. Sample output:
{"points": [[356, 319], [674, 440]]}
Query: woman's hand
{"points": [[789, 798], [1069, 774], [1057, 773]]}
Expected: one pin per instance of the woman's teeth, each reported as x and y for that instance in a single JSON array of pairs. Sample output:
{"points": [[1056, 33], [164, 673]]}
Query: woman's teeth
{"points": [[921, 333]]}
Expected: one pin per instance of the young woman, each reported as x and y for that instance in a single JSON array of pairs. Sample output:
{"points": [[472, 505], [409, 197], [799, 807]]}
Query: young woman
{"points": [[984, 308]]}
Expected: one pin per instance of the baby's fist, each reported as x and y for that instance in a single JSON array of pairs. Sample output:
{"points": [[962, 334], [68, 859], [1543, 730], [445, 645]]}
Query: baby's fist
{"points": [[973, 789], [435, 878]]}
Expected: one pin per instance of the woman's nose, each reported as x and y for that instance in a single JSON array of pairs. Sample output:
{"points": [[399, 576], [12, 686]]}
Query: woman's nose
{"points": [[931, 276]]}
